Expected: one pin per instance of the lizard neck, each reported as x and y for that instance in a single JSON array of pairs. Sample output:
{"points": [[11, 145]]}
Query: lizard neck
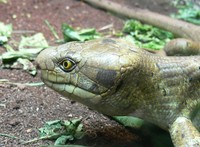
{"points": [[167, 87]]}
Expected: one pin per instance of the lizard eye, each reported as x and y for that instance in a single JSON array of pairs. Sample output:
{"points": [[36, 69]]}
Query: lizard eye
{"points": [[67, 64]]}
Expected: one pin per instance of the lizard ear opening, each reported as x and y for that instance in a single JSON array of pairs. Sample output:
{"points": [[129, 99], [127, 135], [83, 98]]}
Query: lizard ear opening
{"points": [[67, 64]]}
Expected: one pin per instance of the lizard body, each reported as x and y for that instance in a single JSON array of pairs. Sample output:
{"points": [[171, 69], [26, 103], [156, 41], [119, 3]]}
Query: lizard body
{"points": [[116, 78]]}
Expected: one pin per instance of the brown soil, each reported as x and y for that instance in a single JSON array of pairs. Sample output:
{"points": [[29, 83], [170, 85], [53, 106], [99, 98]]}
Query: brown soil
{"points": [[25, 109]]}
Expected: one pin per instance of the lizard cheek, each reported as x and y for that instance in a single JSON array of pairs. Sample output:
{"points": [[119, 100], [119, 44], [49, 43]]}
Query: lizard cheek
{"points": [[106, 77]]}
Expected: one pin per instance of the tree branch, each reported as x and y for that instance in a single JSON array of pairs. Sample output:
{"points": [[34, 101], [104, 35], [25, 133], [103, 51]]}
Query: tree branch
{"points": [[178, 27]]}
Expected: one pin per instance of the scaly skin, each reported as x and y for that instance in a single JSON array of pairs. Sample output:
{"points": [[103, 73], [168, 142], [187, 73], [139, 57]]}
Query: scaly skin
{"points": [[116, 78]]}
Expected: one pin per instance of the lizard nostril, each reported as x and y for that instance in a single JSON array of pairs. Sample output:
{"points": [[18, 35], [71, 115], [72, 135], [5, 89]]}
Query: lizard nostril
{"points": [[38, 62], [38, 66]]}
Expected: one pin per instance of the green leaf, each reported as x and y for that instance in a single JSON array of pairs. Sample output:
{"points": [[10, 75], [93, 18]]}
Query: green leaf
{"points": [[52, 130], [4, 1], [12, 56], [70, 34], [62, 130], [68, 145], [29, 48], [3, 39], [5, 32], [36, 41], [63, 139], [129, 121], [189, 12], [27, 66], [146, 36], [8, 48]]}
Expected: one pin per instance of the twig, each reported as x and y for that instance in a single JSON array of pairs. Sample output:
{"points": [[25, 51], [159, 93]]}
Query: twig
{"points": [[32, 140], [106, 27], [178, 27], [23, 31], [52, 29], [6, 81], [10, 136]]}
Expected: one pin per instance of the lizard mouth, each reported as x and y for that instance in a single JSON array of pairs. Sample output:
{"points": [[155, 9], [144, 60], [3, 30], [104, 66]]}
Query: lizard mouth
{"points": [[74, 92]]}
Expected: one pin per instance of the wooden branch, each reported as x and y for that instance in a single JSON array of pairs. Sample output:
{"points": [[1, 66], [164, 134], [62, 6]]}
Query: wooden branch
{"points": [[178, 27]]}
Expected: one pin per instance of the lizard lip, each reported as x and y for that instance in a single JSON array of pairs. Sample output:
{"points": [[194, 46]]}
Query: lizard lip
{"points": [[69, 88], [73, 92]]}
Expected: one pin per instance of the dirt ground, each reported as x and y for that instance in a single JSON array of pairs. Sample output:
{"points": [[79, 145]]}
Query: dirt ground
{"points": [[25, 109]]}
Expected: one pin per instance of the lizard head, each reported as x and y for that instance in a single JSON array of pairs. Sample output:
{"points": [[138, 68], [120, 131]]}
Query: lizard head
{"points": [[91, 72]]}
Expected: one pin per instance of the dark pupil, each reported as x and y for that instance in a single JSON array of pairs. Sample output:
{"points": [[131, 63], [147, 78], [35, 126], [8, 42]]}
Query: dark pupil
{"points": [[65, 64]]}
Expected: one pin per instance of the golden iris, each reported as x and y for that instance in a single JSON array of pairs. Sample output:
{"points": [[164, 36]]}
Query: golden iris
{"points": [[67, 64]]}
